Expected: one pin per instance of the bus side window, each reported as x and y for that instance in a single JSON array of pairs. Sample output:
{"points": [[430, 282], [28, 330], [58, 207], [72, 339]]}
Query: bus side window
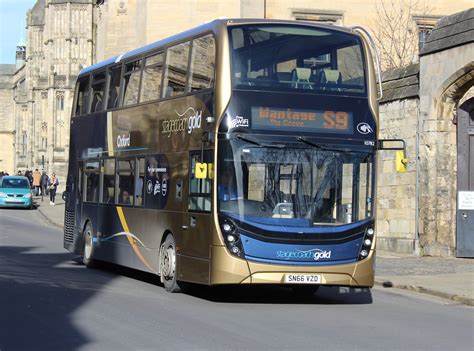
{"points": [[140, 181], [98, 87], [203, 60], [199, 189], [114, 86], [126, 181], [108, 174], [131, 80], [92, 181], [82, 102], [177, 59], [151, 81]]}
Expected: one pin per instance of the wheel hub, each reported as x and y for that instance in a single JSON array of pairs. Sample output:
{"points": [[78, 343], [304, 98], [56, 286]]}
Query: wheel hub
{"points": [[168, 263]]}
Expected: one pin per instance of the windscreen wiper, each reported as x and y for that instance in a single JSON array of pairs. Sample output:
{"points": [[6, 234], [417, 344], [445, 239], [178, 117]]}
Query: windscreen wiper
{"points": [[303, 140], [254, 142], [307, 142]]}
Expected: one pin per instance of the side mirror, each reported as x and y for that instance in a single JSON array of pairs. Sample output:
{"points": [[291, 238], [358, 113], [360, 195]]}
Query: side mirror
{"points": [[65, 196], [399, 146]]}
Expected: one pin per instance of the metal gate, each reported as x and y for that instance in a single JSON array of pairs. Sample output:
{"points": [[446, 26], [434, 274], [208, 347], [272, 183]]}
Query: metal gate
{"points": [[465, 205]]}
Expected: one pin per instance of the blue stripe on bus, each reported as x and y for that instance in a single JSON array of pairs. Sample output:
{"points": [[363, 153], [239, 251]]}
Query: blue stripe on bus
{"points": [[134, 149]]}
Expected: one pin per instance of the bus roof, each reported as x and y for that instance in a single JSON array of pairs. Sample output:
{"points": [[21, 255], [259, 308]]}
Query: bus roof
{"points": [[196, 30]]}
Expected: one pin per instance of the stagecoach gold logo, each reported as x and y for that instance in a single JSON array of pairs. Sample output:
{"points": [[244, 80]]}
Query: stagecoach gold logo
{"points": [[315, 254], [186, 121]]}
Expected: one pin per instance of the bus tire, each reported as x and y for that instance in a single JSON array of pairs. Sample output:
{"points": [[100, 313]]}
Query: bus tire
{"points": [[87, 257], [168, 265]]}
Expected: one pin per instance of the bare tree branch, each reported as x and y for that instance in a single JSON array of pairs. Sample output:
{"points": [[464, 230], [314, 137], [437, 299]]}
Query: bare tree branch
{"points": [[395, 31]]}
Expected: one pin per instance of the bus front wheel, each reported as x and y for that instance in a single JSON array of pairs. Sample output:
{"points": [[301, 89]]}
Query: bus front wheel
{"points": [[87, 258], [168, 265]]}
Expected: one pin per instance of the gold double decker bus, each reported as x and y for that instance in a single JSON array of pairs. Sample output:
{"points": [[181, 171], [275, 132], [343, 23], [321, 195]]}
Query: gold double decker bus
{"points": [[238, 152]]}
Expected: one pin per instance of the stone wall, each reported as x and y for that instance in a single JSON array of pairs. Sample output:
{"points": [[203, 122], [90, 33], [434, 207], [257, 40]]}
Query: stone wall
{"points": [[396, 204], [396, 198]]}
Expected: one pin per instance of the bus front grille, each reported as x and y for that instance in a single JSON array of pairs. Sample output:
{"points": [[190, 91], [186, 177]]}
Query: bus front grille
{"points": [[69, 221]]}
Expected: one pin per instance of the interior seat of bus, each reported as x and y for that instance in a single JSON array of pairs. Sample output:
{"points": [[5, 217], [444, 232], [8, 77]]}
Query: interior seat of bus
{"points": [[300, 77]]}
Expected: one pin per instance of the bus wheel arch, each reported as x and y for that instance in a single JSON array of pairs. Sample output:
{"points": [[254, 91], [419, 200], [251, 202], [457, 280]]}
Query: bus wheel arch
{"points": [[88, 240], [168, 265]]}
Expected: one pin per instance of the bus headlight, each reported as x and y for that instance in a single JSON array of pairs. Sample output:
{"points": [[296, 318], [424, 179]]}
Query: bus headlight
{"points": [[231, 237], [367, 243]]}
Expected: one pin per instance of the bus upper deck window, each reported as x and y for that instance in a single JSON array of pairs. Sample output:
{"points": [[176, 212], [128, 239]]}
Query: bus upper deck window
{"points": [[131, 80], [98, 87], [203, 60], [114, 86], [82, 102], [151, 81], [176, 70]]}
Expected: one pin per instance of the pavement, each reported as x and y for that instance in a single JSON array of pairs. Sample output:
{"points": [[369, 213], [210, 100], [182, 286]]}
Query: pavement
{"points": [[448, 278]]}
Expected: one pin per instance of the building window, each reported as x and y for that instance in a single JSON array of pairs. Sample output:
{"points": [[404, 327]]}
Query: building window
{"points": [[24, 142], [60, 101], [424, 25], [320, 16]]}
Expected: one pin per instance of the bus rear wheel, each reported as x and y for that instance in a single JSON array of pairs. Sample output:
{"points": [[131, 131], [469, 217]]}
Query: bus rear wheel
{"points": [[87, 258], [168, 265]]}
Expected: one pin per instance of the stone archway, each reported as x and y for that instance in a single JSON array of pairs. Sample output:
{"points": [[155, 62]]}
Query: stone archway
{"points": [[439, 99]]}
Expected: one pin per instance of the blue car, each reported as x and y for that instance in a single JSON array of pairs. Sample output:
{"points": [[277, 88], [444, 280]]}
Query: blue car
{"points": [[15, 192]]}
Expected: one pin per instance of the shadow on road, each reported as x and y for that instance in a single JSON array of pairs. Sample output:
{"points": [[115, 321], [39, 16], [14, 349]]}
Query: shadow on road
{"points": [[39, 294], [263, 294], [275, 294]]}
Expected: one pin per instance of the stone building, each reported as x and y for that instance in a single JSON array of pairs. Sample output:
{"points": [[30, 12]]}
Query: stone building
{"points": [[36, 94], [7, 120], [419, 210]]}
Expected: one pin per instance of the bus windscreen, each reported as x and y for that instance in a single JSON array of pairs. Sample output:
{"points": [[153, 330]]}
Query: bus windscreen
{"points": [[297, 58]]}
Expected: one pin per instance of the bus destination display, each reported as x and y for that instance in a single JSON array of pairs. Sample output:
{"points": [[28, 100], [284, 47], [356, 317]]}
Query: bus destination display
{"points": [[271, 118]]}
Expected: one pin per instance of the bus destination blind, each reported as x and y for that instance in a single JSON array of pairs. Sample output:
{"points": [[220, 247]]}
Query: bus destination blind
{"points": [[271, 118]]}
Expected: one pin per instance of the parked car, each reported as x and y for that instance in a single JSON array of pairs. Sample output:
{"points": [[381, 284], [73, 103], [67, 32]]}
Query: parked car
{"points": [[15, 191]]}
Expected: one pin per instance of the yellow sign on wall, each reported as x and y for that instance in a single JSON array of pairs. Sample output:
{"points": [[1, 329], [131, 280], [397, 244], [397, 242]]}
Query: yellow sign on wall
{"points": [[401, 162]]}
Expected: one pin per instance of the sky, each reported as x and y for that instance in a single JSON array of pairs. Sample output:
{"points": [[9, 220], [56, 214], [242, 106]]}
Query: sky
{"points": [[12, 20]]}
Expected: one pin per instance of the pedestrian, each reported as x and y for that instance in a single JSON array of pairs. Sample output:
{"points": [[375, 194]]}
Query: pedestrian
{"points": [[44, 184], [28, 174], [52, 187], [37, 181], [19, 173]]}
